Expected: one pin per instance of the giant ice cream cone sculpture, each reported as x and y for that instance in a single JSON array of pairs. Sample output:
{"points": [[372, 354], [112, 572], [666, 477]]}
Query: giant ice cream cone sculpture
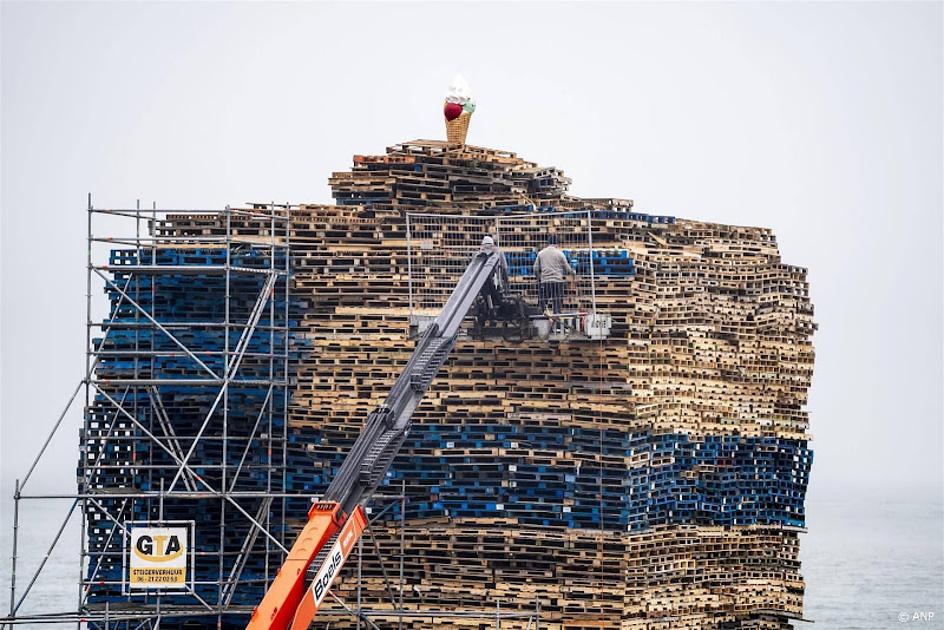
{"points": [[458, 110]]}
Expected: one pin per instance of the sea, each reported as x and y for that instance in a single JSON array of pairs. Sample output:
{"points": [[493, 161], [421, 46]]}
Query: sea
{"points": [[868, 564]]}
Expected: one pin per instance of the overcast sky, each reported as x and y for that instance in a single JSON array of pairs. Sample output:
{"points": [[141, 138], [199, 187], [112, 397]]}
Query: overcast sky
{"points": [[821, 121]]}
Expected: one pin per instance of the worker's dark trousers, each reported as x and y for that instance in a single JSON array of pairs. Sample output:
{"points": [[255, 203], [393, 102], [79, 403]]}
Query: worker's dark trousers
{"points": [[552, 292]]}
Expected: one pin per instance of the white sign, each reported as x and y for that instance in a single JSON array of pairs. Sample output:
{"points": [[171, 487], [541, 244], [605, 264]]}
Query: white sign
{"points": [[158, 557], [349, 535]]}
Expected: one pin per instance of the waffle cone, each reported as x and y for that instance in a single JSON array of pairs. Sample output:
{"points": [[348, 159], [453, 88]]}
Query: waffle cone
{"points": [[458, 128]]}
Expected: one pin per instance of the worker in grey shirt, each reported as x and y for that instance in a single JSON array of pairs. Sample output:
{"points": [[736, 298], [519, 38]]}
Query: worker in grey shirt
{"points": [[550, 268]]}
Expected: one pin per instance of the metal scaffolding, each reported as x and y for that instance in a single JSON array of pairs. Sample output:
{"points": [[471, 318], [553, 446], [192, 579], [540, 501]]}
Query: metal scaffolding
{"points": [[185, 410]]}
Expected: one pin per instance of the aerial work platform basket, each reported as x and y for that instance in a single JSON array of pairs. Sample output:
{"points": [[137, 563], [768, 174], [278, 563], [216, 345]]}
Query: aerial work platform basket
{"points": [[439, 247]]}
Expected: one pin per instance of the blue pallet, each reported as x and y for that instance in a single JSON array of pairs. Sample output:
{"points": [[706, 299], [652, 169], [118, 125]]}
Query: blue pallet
{"points": [[758, 479]]}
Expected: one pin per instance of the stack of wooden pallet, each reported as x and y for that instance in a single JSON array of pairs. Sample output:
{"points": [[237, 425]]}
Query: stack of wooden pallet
{"points": [[653, 480]]}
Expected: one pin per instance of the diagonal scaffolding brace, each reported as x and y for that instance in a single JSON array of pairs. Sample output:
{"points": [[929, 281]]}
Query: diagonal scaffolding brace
{"points": [[240, 350]]}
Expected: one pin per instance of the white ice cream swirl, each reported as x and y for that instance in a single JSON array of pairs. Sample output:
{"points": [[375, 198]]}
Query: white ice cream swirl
{"points": [[460, 92]]}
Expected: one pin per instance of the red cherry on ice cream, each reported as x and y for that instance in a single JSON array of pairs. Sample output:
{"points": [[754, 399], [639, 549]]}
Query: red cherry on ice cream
{"points": [[452, 110]]}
